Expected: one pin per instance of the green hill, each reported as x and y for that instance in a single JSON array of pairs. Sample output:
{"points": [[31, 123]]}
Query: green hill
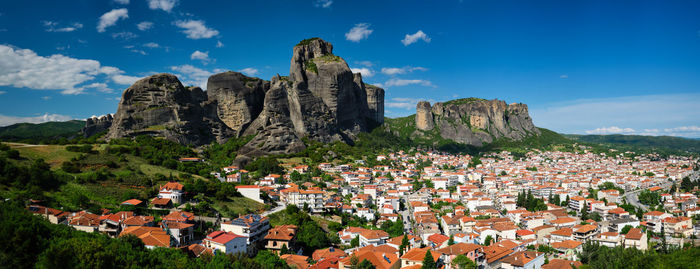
{"points": [[669, 144], [30, 132]]}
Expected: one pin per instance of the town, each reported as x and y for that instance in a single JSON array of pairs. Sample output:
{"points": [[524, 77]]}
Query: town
{"points": [[427, 209]]}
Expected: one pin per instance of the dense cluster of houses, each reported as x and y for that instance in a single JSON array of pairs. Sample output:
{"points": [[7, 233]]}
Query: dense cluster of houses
{"points": [[446, 206]]}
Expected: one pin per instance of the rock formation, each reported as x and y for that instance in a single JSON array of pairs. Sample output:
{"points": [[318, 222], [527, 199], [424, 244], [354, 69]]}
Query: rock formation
{"points": [[95, 125], [476, 121], [320, 99], [424, 117], [160, 106], [239, 98]]}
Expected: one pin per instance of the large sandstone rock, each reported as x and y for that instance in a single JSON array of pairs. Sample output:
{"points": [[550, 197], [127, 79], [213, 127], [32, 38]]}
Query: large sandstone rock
{"points": [[160, 106], [239, 98], [424, 116], [476, 121], [321, 99], [95, 125]]}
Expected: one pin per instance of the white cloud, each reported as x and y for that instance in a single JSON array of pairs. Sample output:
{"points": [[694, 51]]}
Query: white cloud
{"points": [[359, 32], [138, 51], [110, 18], [648, 114], [410, 39], [250, 71], [611, 130], [323, 3], [405, 82], [195, 29], [190, 75], [165, 5], [401, 70], [124, 80], [46, 98], [219, 44], [9, 120], [124, 35], [202, 56], [151, 45], [3, 92], [564, 76], [365, 63], [404, 103], [24, 68], [123, 2], [366, 72], [144, 25], [52, 26]]}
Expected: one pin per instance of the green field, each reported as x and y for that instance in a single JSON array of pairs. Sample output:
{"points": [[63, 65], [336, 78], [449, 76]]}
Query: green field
{"points": [[238, 206], [54, 155]]}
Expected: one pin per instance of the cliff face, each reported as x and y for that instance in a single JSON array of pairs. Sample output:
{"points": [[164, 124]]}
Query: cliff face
{"points": [[475, 121], [160, 106], [321, 99], [95, 125]]}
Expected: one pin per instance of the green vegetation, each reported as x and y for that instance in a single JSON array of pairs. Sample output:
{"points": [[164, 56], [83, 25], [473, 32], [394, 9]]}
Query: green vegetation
{"points": [[307, 41], [310, 235], [649, 198], [31, 242], [664, 145], [328, 58], [311, 66], [393, 228], [34, 133], [222, 155], [463, 262], [529, 202], [596, 256], [464, 101]]}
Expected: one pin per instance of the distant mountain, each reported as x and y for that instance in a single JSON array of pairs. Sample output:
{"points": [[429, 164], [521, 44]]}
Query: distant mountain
{"points": [[41, 131], [649, 142]]}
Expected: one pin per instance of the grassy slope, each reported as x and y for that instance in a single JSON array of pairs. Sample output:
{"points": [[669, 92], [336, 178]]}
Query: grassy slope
{"points": [[110, 192], [22, 131], [54, 155]]}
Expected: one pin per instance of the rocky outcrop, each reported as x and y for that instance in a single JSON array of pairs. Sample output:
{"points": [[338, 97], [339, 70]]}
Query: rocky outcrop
{"points": [[95, 125], [320, 99], [375, 103], [476, 121], [239, 98], [424, 117], [160, 106]]}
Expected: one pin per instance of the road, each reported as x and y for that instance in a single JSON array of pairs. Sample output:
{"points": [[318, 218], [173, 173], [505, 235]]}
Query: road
{"points": [[632, 198], [279, 208]]}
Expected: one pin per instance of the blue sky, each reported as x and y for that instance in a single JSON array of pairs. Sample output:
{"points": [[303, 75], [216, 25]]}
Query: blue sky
{"points": [[583, 67]]}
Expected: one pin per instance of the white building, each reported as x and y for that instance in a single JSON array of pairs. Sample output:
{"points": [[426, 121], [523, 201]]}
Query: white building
{"points": [[228, 243], [250, 191]]}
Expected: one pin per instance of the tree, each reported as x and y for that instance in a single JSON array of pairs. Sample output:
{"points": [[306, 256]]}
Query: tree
{"points": [[355, 242], [584, 211], [488, 240], [428, 261], [451, 241], [365, 264], [404, 245], [463, 262], [626, 229], [284, 250]]}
